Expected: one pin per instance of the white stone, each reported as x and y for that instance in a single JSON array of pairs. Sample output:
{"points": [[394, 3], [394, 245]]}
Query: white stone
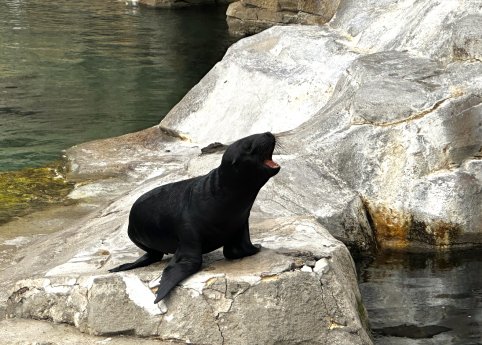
{"points": [[140, 294], [322, 266]]}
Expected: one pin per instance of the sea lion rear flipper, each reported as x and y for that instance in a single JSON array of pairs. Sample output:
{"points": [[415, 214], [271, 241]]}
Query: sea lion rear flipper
{"points": [[144, 260], [179, 268]]}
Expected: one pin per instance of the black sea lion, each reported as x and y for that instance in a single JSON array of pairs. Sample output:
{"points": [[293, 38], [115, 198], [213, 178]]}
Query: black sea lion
{"points": [[201, 214]]}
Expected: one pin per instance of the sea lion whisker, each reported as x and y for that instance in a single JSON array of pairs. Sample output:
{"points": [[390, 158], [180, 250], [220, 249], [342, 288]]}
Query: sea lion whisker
{"points": [[279, 148]]}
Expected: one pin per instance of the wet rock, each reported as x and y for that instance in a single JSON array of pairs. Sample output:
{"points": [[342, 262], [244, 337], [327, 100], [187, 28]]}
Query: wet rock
{"points": [[28, 190]]}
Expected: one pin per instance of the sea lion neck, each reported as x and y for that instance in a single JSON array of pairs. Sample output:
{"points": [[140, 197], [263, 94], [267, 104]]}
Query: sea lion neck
{"points": [[232, 181]]}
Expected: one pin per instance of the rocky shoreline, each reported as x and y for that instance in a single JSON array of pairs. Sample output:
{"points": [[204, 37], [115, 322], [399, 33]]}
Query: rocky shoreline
{"points": [[379, 115], [71, 284]]}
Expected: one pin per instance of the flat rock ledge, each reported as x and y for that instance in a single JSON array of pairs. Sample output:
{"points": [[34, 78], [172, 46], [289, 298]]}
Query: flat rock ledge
{"points": [[300, 289]]}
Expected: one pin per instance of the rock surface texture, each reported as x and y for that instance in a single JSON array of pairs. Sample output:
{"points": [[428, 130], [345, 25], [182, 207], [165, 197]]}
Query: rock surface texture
{"points": [[301, 288], [379, 114], [247, 17], [379, 117]]}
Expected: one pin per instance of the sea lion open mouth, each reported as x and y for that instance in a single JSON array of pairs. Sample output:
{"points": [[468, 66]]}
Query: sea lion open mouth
{"points": [[271, 164], [268, 157]]}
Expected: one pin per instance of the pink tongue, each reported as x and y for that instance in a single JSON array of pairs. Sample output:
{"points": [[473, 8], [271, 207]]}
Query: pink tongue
{"points": [[271, 164]]}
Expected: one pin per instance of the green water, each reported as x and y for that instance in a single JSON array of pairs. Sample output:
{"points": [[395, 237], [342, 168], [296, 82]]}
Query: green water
{"points": [[73, 71]]}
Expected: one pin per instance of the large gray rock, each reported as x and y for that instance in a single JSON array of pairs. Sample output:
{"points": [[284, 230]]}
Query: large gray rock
{"points": [[273, 81], [301, 288], [280, 78], [437, 29], [388, 141], [405, 134]]}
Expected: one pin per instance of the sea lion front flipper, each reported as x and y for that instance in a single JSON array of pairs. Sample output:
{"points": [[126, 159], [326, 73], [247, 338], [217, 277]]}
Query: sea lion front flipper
{"points": [[181, 266], [144, 260], [241, 245]]}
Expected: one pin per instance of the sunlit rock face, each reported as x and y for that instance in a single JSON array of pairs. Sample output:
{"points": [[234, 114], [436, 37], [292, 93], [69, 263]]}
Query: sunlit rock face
{"points": [[273, 81], [405, 134], [252, 16], [380, 114], [437, 29]]}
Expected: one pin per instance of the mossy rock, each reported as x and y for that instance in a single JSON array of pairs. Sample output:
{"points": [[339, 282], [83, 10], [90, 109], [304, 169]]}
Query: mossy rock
{"points": [[32, 189]]}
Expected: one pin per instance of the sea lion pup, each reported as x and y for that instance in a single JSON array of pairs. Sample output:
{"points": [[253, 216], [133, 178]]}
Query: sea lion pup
{"points": [[201, 214]]}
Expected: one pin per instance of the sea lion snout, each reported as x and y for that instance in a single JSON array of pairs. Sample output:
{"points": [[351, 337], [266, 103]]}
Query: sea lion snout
{"points": [[268, 149], [252, 158]]}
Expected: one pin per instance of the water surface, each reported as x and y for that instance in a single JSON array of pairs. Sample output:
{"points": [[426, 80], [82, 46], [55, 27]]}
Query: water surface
{"points": [[73, 71], [424, 299]]}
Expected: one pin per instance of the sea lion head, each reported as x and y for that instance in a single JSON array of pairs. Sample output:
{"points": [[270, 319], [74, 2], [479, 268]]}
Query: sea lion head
{"points": [[251, 159]]}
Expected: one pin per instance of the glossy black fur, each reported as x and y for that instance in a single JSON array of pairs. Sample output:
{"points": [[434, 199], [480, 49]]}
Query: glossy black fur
{"points": [[198, 215]]}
